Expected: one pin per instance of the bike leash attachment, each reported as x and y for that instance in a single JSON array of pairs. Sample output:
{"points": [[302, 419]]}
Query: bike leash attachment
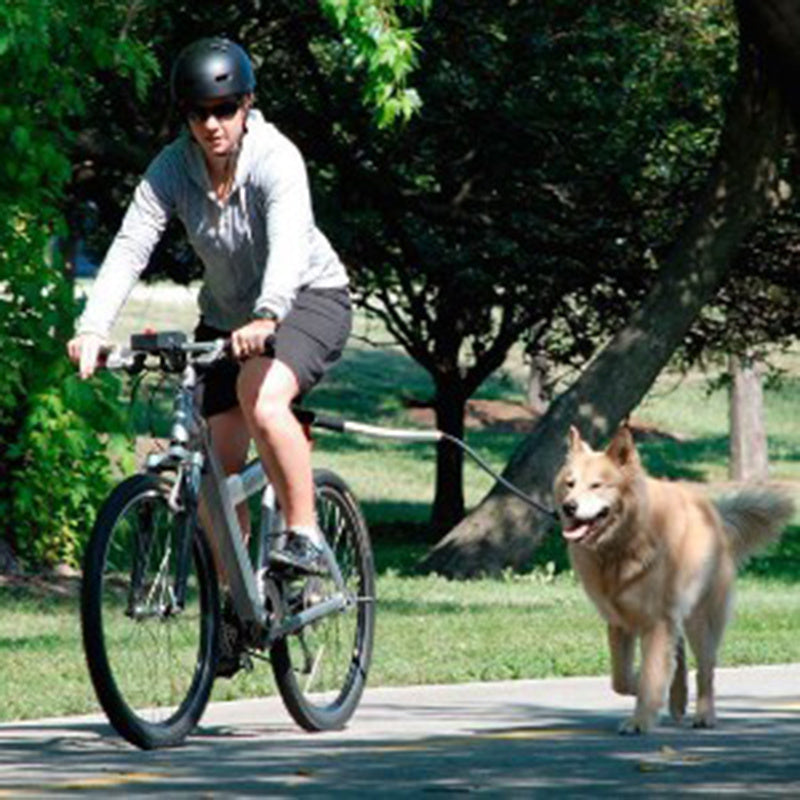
{"points": [[308, 417]]}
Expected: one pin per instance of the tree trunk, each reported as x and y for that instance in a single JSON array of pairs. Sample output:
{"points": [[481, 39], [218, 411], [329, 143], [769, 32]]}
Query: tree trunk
{"points": [[538, 400], [774, 26], [448, 504], [748, 436], [503, 531], [8, 561]]}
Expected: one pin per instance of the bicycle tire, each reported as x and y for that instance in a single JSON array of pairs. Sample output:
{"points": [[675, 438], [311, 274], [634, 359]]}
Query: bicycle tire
{"points": [[131, 636], [324, 695]]}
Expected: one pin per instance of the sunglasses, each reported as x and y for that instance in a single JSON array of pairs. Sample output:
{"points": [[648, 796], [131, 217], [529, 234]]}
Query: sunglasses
{"points": [[221, 111]]}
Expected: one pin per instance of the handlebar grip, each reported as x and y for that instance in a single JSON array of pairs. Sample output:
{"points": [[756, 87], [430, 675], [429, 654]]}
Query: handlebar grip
{"points": [[269, 347]]}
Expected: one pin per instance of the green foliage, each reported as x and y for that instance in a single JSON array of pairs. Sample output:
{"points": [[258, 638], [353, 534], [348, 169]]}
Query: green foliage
{"points": [[53, 465], [559, 148], [61, 475], [375, 41], [54, 468], [56, 51]]}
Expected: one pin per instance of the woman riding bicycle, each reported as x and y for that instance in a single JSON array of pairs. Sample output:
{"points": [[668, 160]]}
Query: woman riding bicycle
{"points": [[240, 189]]}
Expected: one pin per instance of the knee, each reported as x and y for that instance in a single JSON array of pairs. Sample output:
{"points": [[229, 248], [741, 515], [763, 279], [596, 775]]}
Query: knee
{"points": [[265, 409]]}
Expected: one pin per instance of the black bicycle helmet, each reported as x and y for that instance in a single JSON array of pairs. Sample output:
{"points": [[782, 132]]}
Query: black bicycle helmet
{"points": [[211, 68]]}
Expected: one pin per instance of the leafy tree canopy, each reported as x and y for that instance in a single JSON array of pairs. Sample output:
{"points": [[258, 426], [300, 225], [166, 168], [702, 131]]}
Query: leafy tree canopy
{"points": [[80, 90], [534, 192], [50, 53], [376, 41]]}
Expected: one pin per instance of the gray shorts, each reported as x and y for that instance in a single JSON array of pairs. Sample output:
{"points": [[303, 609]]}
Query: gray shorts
{"points": [[309, 340]]}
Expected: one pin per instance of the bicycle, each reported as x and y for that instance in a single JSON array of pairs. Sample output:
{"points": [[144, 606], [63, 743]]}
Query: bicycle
{"points": [[150, 601]]}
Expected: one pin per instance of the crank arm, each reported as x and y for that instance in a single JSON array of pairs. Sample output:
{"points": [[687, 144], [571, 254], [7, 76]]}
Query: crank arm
{"points": [[294, 622]]}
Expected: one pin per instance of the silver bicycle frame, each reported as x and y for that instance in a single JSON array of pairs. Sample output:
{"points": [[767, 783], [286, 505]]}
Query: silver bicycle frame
{"points": [[220, 494], [226, 535], [191, 447]]}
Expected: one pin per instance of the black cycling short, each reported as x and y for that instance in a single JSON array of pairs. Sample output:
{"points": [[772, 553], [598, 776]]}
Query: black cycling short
{"points": [[309, 340]]}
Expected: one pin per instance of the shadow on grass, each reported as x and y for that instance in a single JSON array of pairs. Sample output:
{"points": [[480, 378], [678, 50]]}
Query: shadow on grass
{"points": [[783, 448], [44, 591], [369, 384], [676, 460], [781, 562], [679, 460], [401, 535]]}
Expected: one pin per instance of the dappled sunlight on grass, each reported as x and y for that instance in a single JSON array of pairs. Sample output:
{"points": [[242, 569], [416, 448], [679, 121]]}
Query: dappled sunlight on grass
{"points": [[688, 460], [359, 383], [430, 629]]}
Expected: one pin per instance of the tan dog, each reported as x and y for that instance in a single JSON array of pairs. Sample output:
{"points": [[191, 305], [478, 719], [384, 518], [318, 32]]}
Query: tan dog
{"points": [[658, 560]]}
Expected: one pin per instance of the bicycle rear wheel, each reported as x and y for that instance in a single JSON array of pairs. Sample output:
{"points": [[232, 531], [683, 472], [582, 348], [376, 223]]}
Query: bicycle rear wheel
{"points": [[321, 671], [151, 663]]}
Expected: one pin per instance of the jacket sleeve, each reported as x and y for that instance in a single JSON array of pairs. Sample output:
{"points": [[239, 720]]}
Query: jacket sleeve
{"points": [[142, 227], [290, 228]]}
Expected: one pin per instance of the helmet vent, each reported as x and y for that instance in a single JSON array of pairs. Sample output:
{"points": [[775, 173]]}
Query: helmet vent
{"points": [[211, 68]]}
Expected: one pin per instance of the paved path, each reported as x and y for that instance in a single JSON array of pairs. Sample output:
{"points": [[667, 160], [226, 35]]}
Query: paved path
{"points": [[512, 739]]}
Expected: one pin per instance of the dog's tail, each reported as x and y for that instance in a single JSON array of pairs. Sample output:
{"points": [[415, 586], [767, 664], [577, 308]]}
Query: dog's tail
{"points": [[753, 518]]}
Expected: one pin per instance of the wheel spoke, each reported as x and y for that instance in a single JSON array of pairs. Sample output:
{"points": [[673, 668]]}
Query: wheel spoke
{"points": [[321, 671], [150, 667]]}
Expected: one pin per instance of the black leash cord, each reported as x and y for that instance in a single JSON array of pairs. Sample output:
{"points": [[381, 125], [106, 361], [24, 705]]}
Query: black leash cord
{"points": [[516, 491]]}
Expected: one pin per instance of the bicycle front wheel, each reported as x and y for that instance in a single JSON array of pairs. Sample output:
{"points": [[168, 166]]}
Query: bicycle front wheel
{"points": [[321, 671], [151, 662]]}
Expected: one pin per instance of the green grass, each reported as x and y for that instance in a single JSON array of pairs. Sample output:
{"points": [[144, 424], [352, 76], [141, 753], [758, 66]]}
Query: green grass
{"points": [[698, 419], [431, 630], [395, 481]]}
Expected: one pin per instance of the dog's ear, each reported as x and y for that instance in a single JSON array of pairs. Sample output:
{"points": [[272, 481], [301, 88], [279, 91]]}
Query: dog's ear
{"points": [[622, 450], [576, 443]]}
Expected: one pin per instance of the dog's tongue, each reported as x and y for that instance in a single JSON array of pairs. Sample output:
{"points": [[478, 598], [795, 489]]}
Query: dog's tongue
{"points": [[577, 532]]}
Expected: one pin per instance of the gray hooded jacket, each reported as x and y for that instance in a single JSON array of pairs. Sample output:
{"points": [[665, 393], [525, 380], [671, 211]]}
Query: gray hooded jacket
{"points": [[258, 247]]}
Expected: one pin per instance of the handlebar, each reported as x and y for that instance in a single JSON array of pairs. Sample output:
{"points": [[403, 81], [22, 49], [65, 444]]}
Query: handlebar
{"points": [[173, 349]]}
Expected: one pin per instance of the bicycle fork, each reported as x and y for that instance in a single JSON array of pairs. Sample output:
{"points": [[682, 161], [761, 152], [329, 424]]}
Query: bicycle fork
{"points": [[187, 524]]}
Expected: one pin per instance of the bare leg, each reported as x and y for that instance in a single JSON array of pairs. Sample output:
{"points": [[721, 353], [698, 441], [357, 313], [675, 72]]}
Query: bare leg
{"points": [[231, 440], [266, 388]]}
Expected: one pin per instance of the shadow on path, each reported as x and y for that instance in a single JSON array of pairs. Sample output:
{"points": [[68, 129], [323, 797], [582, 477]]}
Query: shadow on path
{"points": [[409, 745]]}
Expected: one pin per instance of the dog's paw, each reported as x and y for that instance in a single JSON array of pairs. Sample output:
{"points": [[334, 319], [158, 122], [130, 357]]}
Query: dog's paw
{"points": [[703, 721], [634, 726]]}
